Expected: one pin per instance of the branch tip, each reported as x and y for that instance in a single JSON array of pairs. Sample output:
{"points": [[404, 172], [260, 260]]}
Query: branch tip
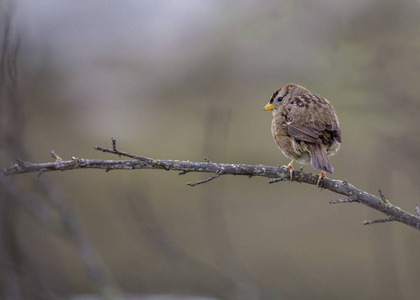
{"points": [[114, 144], [369, 222], [56, 156], [417, 210], [382, 195]]}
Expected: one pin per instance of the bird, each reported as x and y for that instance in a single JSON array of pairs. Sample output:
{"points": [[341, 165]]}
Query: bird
{"points": [[305, 127]]}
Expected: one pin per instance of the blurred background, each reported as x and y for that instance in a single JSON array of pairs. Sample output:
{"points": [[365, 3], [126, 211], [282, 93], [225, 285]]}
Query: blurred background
{"points": [[187, 80]]}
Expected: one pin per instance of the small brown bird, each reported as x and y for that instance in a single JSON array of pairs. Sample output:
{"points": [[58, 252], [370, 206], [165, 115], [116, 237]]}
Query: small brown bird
{"points": [[305, 127]]}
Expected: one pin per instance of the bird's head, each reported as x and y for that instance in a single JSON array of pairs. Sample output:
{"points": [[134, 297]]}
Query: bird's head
{"points": [[282, 96]]}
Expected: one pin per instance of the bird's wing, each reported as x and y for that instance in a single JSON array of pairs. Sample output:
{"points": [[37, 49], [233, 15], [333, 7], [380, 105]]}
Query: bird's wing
{"points": [[324, 125], [310, 134], [335, 129]]}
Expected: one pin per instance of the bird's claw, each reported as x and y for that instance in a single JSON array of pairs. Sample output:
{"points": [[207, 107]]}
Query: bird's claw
{"points": [[290, 167], [320, 176]]}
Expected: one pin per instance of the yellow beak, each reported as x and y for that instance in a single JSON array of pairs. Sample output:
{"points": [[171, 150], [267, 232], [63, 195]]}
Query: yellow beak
{"points": [[269, 106]]}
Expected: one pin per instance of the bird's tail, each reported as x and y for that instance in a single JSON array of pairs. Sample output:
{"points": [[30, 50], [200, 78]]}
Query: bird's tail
{"points": [[319, 158]]}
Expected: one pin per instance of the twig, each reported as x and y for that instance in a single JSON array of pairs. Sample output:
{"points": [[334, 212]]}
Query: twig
{"points": [[281, 178], [91, 259], [57, 158], [418, 210], [217, 175], [382, 195], [369, 222], [114, 144], [276, 173], [121, 153]]}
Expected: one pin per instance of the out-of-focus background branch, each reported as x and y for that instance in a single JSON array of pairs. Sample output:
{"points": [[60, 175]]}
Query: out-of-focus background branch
{"points": [[57, 216], [188, 79]]}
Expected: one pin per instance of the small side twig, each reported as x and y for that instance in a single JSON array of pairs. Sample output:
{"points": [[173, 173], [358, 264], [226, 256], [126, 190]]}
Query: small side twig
{"points": [[417, 210], [56, 156], [114, 144], [281, 178], [42, 171], [58, 159], [369, 222], [192, 184], [382, 195], [121, 153]]}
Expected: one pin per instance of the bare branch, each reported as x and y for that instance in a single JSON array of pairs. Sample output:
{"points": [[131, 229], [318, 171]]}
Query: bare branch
{"points": [[276, 173]]}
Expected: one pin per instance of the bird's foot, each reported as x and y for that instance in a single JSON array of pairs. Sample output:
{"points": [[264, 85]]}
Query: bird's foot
{"points": [[290, 167], [320, 176]]}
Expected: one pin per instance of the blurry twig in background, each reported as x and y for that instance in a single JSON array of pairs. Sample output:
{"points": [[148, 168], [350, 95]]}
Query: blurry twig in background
{"points": [[74, 230], [12, 197], [201, 273], [10, 125], [212, 202], [12, 118]]}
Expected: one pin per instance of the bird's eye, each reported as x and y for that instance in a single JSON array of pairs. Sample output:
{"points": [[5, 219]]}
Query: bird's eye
{"points": [[273, 98]]}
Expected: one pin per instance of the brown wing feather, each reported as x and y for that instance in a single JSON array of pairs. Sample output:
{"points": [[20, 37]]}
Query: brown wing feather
{"points": [[324, 128], [304, 133]]}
